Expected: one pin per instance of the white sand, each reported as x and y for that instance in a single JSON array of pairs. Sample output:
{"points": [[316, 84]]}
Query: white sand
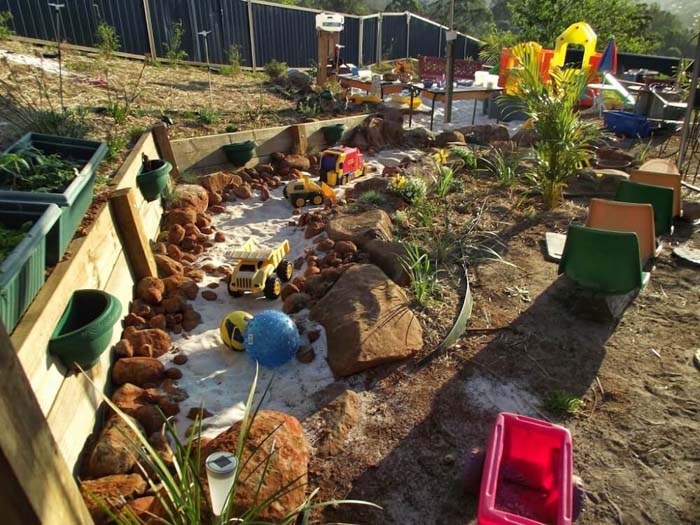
{"points": [[492, 396], [49, 65]]}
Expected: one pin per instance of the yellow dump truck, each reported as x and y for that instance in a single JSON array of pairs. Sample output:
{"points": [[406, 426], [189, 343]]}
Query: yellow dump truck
{"points": [[260, 269], [303, 190]]}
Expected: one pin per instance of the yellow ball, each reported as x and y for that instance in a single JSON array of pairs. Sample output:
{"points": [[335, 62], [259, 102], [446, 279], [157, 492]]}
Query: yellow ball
{"points": [[232, 327]]}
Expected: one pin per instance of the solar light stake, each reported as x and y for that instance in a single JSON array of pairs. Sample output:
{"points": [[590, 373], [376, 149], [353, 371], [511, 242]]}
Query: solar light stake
{"points": [[57, 33], [205, 35], [221, 473]]}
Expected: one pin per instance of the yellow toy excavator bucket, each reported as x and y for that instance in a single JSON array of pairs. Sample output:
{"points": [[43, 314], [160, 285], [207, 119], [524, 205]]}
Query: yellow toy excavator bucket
{"points": [[328, 192]]}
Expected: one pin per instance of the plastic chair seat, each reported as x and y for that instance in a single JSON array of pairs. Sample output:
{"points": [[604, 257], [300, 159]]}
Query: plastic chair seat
{"points": [[666, 180], [603, 261], [659, 197], [625, 217], [660, 166]]}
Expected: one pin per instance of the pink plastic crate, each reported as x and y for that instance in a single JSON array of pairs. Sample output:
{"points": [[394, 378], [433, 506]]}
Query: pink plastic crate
{"points": [[527, 478]]}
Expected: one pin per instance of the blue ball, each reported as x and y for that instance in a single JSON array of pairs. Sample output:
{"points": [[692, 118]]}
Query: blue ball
{"points": [[271, 338]]}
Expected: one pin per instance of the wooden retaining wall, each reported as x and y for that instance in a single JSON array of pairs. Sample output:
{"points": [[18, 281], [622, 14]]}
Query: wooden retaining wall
{"points": [[98, 261], [204, 154]]}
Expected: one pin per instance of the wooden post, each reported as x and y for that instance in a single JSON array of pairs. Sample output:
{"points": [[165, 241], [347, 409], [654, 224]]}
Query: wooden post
{"points": [[165, 148], [134, 240], [251, 31], [300, 143], [149, 30], [37, 487], [324, 42]]}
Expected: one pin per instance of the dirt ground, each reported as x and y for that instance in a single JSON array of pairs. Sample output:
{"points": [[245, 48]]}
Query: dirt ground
{"points": [[636, 439]]}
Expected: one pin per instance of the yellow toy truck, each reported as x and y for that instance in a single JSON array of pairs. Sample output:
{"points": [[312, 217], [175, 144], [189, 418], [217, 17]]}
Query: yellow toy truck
{"points": [[304, 190], [258, 268]]}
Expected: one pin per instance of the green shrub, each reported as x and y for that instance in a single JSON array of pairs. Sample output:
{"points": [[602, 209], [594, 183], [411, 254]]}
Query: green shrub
{"points": [[5, 31], [208, 116], [107, 40], [231, 128], [276, 70], [411, 189], [563, 404], [135, 133], [234, 59], [173, 51], [114, 146]]}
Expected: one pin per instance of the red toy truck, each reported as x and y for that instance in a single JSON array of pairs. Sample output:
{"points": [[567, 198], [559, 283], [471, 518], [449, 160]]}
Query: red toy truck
{"points": [[340, 165], [526, 475]]}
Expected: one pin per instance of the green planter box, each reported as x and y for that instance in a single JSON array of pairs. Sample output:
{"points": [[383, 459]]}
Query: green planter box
{"points": [[22, 273], [76, 198]]}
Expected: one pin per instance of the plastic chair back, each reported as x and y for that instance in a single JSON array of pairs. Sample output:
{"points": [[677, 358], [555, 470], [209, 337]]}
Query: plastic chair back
{"points": [[603, 261], [660, 166], [666, 180], [659, 197], [625, 217]]}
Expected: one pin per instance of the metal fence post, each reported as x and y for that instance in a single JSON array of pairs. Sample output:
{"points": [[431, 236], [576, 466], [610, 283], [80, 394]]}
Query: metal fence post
{"points": [[408, 34], [440, 43], [360, 58], [149, 29], [378, 58], [251, 31]]}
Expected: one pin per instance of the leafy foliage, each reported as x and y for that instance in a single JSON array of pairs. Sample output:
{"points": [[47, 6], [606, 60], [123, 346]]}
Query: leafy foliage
{"points": [[398, 6], [505, 166], [29, 169], [208, 116], [563, 404], [107, 40], [173, 47], [473, 17], [564, 140], [10, 238], [422, 272], [275, 69], [371, 198], [5, 31], [411, 189], [494, 42]]}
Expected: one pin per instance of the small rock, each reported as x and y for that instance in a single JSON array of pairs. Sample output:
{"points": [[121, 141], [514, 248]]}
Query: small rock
{"points": [[314, 335], [157, 321], [287, 290], [134, 320], [220, 237], [167, 266], [190, 320], [298, 263], [243, 191], [176, 234], [174, 304], [159, 340], [123, 348], [264, 194], [150, 290], [113, 491], [137, 371], [326, 245], [305, 354], [345, 247], [313, 229], [217, 209], [295, 303], [208, 295], [180, 359], [214, 199], [174, 252], [113, 452], [195, 274], [195, 412], [180, 217], [173, 373]]}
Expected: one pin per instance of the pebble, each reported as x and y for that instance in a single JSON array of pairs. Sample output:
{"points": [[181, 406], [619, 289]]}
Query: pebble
{"points": [[208, 295], [305, 354], [180, 359]]}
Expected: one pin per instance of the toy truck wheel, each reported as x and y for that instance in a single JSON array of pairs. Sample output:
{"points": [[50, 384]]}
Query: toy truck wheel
{"points": [[235, 293], [473, 470], [273, 287], [284, 270], [285, 193], [299, 202], [317, 200], [578, 499]]}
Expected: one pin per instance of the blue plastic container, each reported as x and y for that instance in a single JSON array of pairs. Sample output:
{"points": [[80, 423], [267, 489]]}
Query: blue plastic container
{"points": [[626, 123]]}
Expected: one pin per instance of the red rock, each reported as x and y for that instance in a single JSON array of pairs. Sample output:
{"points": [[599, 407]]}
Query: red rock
{"points": [[345, 247], [208, 295], [326, 245], [311, 270], [243, 191], [190, 196], [113, 453], [190, 320], [217, 209], [298, 162], [137, 370], [173, 373], [113, 491], [288, 467], [180, 216], [287, 290], [167, 266], [123, 348], [180, 359], [179, 284], [174, 252], [220, 237], [313, 229], [160, 247], [195, 275], [298, 263], [158, 339], [189, 258], [150, 290], [174, 304], [295, 303], [264, 194], [134, 320], [139, 307], [157, 321], [216, 182], [214, 199], [299, 282], [309, 251], [203, 220]]}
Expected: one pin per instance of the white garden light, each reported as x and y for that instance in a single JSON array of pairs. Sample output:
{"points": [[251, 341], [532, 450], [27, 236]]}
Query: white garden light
{"points": [[221, 473]]}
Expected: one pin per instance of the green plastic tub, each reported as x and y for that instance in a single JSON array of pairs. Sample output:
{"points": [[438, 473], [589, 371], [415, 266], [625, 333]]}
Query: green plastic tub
{"points": [[333, 133], [22, 273], [239, 153], [76, 198], [153, 178], [85, 328]]}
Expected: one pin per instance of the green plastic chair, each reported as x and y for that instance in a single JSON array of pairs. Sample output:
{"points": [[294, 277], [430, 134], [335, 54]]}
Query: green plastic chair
{"points": [[603, 261], [659, 197]]}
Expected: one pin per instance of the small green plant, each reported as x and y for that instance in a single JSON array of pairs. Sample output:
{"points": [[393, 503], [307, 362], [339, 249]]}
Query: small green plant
{"points": [[468, 157], [231, 128], [107, 40], [208, 116], [29, 169], [308, 108], [121, 99], [421, 271], [276, 70], [172, 47], [234, 59], [412, 189], [371, 199], [646, 151], [563, 404], [11, 237], [506, 167], [135, 133], [114, 147], [401, 219], [5, 19]]}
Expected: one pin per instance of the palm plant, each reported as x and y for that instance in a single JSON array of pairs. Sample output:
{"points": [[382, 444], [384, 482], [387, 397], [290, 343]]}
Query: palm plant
{"points": [[564, 140]]}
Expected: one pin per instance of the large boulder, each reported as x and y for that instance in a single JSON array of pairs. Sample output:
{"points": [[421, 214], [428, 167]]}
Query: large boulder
{"points": [[367, 321], [216, 182], [159, 340], [387, 255], [447, 137], [192, 196], [110, 491], [419, 138], [287, 467], [372, 224], [113, 453]]}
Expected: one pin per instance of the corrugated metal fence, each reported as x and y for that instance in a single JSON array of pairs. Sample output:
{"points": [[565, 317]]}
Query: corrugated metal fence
{"points": [[261, 31]]}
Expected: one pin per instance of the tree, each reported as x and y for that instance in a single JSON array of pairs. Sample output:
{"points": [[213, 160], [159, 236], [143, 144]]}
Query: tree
{"points": [[472, 17], [398, 6], [543, 20], [353, 7]]}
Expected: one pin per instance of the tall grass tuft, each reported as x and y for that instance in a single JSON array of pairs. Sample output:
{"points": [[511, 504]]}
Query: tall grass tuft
{"points": [[421, 271]]}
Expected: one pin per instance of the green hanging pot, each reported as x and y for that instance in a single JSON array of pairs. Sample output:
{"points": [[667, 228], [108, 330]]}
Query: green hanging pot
{"points": [[333, 133], [154, 178], [85, 328], [239, 153]]}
